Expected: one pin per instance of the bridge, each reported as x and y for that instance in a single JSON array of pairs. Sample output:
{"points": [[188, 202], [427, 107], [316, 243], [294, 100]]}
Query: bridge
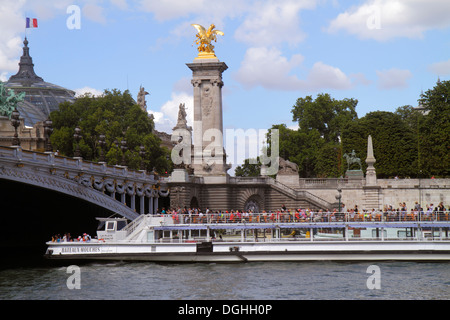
{"points": [[114, 188]]}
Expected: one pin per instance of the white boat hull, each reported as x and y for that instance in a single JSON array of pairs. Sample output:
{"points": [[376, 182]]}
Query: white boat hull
{"points": [[255, 251]]}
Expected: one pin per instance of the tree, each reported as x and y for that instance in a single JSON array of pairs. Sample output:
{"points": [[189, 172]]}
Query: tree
{"points": [[394, 143], [325, 114], [434, 131], [250, 168], [118, 117], [315, 146]]}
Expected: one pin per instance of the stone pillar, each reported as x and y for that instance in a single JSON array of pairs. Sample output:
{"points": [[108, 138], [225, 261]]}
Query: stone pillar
{"points": [[150, 205], [209, 158], [371, 189], [371, 176], [142, 204]]}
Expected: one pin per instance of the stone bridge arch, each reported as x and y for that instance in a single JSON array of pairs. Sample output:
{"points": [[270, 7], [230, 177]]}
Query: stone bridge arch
{"points": [[118, 190]]}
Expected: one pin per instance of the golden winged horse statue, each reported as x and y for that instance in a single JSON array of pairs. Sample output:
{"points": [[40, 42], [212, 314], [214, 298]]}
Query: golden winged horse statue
{"points": [[204, 39]]}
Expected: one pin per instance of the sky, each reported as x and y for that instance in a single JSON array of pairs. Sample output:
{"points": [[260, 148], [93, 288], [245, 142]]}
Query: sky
{"points": [[383, 53]]}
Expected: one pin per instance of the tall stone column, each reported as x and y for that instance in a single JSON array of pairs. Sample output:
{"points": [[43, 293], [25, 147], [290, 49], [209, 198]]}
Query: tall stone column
{"points": [[209, 158], [371, 176], [371, 189]]}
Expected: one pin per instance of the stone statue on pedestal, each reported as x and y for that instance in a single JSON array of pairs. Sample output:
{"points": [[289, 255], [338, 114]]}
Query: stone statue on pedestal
{"points": [[287, 167], [9, 100], [204, 39], [352, 158], [141, 99]]}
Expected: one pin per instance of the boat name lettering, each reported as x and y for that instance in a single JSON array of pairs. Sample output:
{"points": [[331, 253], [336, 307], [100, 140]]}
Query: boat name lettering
{"points": [[79, 249]]}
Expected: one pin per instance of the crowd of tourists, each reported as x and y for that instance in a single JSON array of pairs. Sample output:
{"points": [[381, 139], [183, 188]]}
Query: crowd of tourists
{"points": [[388, 213], [68, 238]]}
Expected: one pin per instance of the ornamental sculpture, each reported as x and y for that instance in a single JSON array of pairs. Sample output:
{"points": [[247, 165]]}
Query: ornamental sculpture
{"points": [[204, 39], [9, 100], [352, 158]]}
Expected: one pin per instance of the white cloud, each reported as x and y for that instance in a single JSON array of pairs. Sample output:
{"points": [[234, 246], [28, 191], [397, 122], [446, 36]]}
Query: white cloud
{"points": [[324, 76], [269, 69], [94, 13], [268, 21], [273, 22], [440, 68], [166, 118], [389, 19], [203, 10], [393, 78], [84, 90], [121, 4], [360, 78], [11, 25]]}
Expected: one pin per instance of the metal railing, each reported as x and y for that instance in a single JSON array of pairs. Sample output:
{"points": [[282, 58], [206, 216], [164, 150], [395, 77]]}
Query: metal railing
{"points": [[307, 217]]}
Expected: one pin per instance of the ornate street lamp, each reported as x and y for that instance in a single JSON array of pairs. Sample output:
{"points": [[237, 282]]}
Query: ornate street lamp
{"points": [[77, 136], [48, 130], [142, 154], [338, 197], [15, 123], [102, 143], [124, 149]]}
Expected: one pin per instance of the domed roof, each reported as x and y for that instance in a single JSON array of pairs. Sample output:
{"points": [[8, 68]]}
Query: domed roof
{"points": [[41, 97]]}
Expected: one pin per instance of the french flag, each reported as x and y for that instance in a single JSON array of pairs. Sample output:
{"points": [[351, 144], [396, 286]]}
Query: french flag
{"points": [[31, 23]]}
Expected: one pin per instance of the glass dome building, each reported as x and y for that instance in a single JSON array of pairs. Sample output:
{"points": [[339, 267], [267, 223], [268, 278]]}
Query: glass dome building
{"points": [[41, 97]]}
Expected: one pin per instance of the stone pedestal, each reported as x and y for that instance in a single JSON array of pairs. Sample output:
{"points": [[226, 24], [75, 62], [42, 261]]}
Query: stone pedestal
{"points": [[209, 156], [290, 180], [179, 175], [354, 174]]}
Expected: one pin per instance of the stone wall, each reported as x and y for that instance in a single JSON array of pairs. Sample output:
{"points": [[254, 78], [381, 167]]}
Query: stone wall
{"points": [[390, 192]]}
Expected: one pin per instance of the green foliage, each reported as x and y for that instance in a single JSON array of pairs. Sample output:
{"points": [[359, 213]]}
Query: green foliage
{"points": [[324, 114], [315, 145], [250, 168], [407, 142], [394, 143], [116, 116], [434, 131]]}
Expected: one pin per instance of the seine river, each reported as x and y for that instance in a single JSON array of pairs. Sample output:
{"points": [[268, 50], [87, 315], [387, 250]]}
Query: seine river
{"points": [[246, 281]]}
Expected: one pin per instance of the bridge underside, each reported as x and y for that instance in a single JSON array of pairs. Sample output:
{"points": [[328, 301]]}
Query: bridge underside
{"points": [[32, 215]]}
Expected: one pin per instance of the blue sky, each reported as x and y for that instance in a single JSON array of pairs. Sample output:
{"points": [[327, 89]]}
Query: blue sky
{"points": [[381, 52]]}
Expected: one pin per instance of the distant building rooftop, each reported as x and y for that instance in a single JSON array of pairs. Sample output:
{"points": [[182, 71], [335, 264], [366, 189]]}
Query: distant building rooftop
{"points": [[41, 97]]}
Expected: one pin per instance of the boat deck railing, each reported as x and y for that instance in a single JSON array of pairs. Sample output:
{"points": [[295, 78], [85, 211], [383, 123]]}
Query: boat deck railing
{"points": [[308, 218]]}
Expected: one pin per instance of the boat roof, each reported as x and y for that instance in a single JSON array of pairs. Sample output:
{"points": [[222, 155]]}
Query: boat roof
{"points": [[112, 219]]}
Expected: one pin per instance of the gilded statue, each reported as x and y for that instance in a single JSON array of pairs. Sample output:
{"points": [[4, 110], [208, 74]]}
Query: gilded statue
{"points": [[204, 39]]}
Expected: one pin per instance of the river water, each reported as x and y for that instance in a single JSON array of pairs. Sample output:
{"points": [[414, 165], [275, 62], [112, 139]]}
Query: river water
{"points": [[210, 281]]}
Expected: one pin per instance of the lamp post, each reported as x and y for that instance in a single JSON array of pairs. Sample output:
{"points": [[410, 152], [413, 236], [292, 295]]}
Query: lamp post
{"points": [[339, 197], [77, 136], [15, 121], [142, 154], [124, 149], [102, 143], [48, 130]]}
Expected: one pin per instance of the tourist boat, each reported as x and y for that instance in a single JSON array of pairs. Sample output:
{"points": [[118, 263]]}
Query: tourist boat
{"points": [[178, 238]]}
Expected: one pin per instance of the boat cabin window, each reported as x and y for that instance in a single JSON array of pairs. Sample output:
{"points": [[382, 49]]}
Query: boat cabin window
{"points": [[121, 224], [374, 233], [110, 225]]}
